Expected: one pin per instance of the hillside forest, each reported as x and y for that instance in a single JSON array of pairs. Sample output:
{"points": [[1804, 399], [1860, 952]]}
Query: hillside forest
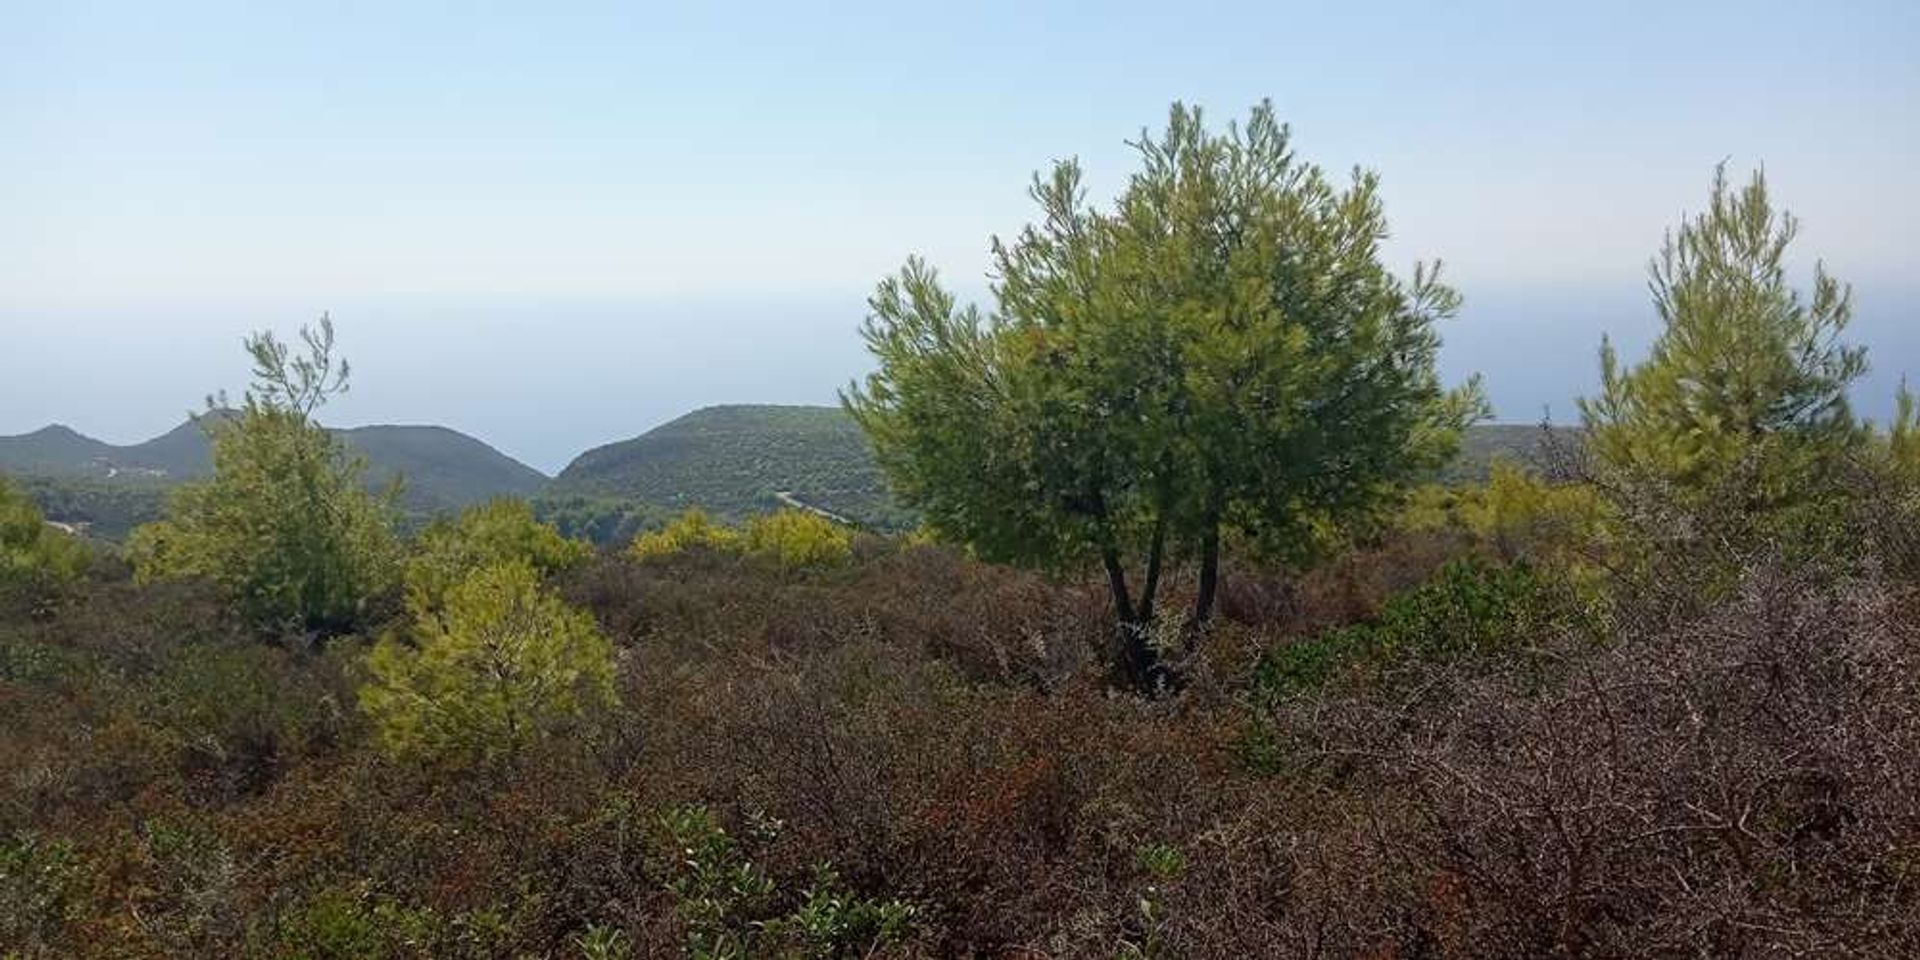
{"points": [[1168, 604]]}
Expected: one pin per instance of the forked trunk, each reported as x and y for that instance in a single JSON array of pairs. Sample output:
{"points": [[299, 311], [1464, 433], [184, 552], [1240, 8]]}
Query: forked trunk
{"points": [[1134, 628]]}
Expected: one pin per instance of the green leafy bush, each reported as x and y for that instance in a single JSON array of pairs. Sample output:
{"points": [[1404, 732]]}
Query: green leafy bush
{"points": [[285, 527], [1523, 516], [689, 531], [1470, 608], [502, 531], [33, 554], [728, 903], [1566, 530], [504, 665], [798, 539], [792, 539], [352, 923]]}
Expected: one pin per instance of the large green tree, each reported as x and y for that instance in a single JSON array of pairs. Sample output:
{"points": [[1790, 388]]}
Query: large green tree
{"points": [[1220, 351], [285, 526], [1744, 393]]}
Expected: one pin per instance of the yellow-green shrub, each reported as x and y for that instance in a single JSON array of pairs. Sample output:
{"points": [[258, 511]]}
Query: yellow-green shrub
{"points": [[796, 538], [690, 529], [499, 532], [31, 551], [1433, 507], [1523, 516], [503, 665], [791, 538]]}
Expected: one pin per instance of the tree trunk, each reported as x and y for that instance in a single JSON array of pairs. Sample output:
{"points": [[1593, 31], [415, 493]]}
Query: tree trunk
{"points": [[1155, 554], [1209, 579], [1141, 660]]}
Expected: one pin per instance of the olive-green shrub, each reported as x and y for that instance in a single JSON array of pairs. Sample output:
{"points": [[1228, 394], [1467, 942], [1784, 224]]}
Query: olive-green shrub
{"points": [[503, 665]]}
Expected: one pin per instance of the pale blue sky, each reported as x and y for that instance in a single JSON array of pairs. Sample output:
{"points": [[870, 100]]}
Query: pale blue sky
{"points": [[554, 225]]}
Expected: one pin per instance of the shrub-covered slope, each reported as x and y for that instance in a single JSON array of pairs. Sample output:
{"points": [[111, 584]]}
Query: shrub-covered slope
{"points": [[736, 460]]}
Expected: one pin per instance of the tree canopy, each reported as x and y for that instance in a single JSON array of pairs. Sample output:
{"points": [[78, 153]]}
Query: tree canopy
{"points": [[1221, 350], [1747, 382], [32, 553], [285, 526]]}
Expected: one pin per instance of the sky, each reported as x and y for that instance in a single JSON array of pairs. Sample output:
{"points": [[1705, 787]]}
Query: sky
{"points": [[556, 225]]}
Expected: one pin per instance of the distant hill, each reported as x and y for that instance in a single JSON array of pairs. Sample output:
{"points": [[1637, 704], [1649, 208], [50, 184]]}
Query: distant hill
{"points": [[1530, 444], [443, 469], [180, 453], [52, 449], [79, 479], [738, 460], [731, 460]]}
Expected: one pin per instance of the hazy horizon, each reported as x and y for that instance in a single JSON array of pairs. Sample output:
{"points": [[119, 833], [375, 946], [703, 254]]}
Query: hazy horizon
{"points": [[555, 231]]}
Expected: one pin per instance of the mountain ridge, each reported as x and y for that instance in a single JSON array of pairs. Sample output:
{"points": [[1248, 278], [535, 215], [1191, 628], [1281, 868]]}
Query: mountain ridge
{"points": [[732, 460], [119, 485]]}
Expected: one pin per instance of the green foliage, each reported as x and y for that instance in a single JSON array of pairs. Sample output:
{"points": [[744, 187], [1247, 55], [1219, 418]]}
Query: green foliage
{"points": [[728, 902], [349, 923], [602, 521], [1470, 609], [34, 555], [1223, 350], [104, 509], [213, 699], [604, 943], [1898, 447], [502, 666], [1162, 863], [501, 531], [693, 529], [1518, 515], [791, 539], [1747, 384], [284, 527], [830, 923], [797, 539], [1525, 516]]}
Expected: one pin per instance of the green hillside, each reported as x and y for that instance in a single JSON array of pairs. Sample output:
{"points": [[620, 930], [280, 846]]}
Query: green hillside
{"points": [[1527, 443], [52, 449], [730, 460], [736, 460], [443, 469], [179, 453], [105, 508], [77, 479]]}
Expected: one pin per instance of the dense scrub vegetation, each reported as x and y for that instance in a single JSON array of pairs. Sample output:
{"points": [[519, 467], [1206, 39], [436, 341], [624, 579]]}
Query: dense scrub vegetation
{"points": [[1653, 694], [1403, 753]]}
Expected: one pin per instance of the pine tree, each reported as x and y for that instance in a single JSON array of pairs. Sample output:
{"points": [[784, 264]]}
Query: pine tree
{"points": [[1747, 382], [285, 526], [1222, 351]]}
